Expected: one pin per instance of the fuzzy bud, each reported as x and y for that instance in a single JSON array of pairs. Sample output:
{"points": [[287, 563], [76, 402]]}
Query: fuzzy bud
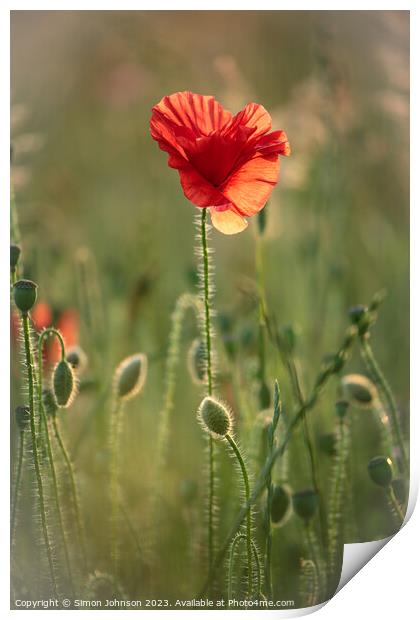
{"points": [[215, 417], [130, 376], [359, 391], [197, 361], [14, 256], [305, 504], [64, 384], [280, 504], [25, 293], [23, 416], [380, 471]]}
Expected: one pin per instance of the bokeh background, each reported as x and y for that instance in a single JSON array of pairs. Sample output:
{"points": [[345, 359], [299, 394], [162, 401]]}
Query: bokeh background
{"points": [[93, 189]]}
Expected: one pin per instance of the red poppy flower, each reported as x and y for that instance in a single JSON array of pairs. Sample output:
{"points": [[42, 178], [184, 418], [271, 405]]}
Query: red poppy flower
{"points": [[228, 163]]}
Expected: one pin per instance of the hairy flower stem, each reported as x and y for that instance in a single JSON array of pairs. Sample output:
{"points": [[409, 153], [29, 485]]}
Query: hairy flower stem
{"points": [[238, 538], [386, 394], [73, 488], [209, 375], [241, 462], [43, 417], [80, 531], [41, 497], [16, 489]]}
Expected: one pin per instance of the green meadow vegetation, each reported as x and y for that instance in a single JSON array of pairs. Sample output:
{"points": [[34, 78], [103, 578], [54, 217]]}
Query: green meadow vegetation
{"points": [[196, 415]]}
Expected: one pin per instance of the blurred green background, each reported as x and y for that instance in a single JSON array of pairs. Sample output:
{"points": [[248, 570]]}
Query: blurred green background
{"points": [[88, 175]]}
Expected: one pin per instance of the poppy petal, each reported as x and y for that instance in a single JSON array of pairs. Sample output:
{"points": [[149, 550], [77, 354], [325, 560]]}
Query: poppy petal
{"points": [[255, 117], [198, 190], [228, 222], [200, 113], [250, 186]]}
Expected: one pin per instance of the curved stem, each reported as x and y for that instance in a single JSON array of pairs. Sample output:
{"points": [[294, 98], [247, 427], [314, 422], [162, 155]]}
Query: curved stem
{"points": [[238, 455], [386, 393], [209, 372], [17, 485], [43, 417], [38, 475], [73, 487]]}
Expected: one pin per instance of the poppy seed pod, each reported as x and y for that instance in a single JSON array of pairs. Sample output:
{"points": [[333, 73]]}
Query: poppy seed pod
{"points": [[14, 256], [215, 416], [77, 358], [197, 361], [359, 391], [280, 504], [64, 384], [305, 504], [380, 471], [25, 293], [49, 403], [130, 376], [23, 416]]}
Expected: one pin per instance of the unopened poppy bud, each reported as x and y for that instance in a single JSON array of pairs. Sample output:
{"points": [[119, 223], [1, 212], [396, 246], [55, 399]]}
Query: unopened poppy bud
{"points": [[23, 416], [188, 490], [197, 361], [359, 391], [214, 416], [380, 471], [280, 504], [130, 376], [305, 504], [25, 293], [341, 407], [77, 358], [14, 256], [64, 384], [49, 403]]}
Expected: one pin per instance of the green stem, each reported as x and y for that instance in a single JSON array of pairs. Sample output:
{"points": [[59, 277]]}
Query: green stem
{"points": [[259, 268], [31, 386], [209, 372], [235, 542], [395, 504], [386, 393], [269, 540], [45, 334], [114, 482], [75, 499], [238, 455], [17, 485]]}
